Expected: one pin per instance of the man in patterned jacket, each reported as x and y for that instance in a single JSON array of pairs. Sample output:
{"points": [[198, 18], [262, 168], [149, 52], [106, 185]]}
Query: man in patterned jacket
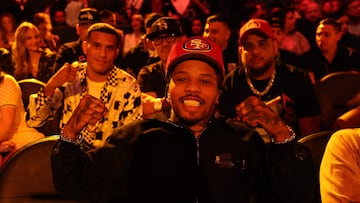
{"points": [[98, 77]]}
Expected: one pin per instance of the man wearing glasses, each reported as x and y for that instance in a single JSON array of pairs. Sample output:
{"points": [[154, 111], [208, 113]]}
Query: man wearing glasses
{"points": [[165, 32]]}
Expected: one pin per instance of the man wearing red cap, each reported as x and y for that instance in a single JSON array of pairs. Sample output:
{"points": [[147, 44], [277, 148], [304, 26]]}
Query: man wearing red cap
{"points": [[192, 157], [263, 76]]}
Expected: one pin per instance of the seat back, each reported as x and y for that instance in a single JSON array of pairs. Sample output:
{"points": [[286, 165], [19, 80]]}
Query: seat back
{"points": [[316, 143], [32, 86], [28, 87], [27, 177], [333, 91]]}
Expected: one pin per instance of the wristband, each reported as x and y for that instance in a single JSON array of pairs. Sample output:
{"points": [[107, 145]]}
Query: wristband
{"points": [[289, 139], [158, 104], [77, 141]]}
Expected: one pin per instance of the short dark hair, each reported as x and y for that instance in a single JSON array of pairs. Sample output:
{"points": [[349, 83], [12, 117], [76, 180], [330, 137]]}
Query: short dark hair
{"points": [[106, 28], [218, 18], [332, 22], [106, 13]]}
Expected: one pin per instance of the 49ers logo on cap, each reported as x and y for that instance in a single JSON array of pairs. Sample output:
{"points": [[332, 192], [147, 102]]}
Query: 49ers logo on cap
{"points": [[197, 45]]}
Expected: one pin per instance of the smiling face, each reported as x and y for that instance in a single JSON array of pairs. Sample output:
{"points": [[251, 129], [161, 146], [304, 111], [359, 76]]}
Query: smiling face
{"points": [[32, 40], [101, 49], [193, 92]]}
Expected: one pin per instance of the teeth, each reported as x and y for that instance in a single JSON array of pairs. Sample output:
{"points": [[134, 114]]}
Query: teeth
{"points": [[191, 102]]}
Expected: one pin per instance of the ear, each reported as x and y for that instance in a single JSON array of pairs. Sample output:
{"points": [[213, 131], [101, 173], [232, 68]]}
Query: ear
{"points": [[338, 36], [77, 29], [84, 47], [240, 50], [218, 97], [228, 34]]}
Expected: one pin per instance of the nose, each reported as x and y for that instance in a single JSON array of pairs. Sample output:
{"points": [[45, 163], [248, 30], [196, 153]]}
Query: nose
{"points": [[256, 49], [103, 52], [192, 87]]}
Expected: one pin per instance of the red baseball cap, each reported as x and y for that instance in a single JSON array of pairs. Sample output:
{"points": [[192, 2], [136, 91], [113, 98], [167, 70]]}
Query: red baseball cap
{"points": [[254, 25], [197, 48]]}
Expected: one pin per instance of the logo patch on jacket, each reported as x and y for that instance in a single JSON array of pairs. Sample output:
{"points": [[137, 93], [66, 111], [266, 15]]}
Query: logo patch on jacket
{"points": [[225, 160]]}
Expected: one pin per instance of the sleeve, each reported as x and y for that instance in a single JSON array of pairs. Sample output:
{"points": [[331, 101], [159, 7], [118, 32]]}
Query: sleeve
{"points": [[60, 59], [95, 175], [9, 92], [145, 79], [290, 173], [132, 110], [339, 169], [42, 108]]}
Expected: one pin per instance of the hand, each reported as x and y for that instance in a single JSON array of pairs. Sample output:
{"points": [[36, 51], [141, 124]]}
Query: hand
{"points": [[67, 73], [89, 111], [255, 113], [148, 102], [7, 146]]}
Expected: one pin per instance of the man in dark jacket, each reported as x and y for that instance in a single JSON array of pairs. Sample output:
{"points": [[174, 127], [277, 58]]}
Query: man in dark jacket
{"points": [[164, 33], [192, 157], [72, 51]]}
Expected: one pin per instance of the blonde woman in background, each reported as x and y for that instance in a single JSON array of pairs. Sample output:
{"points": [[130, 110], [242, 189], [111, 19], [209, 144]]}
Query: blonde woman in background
{"points": [[29, 60], [14, 132]]}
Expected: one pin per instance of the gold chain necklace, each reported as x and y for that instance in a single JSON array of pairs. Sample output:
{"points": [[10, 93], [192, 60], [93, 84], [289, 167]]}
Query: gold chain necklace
{"points": [[257, 92]]}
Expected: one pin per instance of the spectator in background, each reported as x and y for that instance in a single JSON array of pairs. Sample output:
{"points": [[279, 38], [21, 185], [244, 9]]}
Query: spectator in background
{"points": [[47, 40], [352, 10], [164, 33], [144, 53], [14, 133], [329, 56], [7, 30], [60, 28], [340, 169], [218, 30], [98, 78], [293, 41], [265, 77], [299, 6], [197, 27], [276, 22], [35, 6], [13, 7], [72, 11], [58, 17], [326, 8], [108, 16], [72, 51], [347, 39], [29, 59], [133, 38], [308, 24]]}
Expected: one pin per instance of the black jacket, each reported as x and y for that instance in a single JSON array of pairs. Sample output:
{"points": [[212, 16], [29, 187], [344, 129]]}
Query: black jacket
{"points": [[153, 161], [151, 78]]}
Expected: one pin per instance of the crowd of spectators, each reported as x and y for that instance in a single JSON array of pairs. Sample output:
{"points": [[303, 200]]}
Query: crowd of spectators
{"points": [[291, 45]]}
